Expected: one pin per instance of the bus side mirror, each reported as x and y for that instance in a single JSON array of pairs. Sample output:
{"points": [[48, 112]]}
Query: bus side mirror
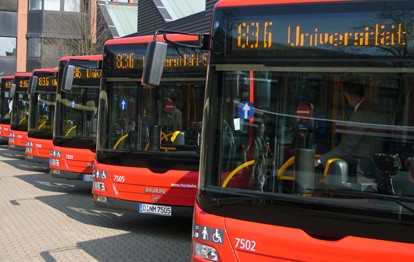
{"points": [[32, 85], [154, 64], [67, 79], [12, 90]]}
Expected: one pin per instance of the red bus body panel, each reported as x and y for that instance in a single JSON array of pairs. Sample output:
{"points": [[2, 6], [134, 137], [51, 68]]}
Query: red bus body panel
{"points": [[40, 149], [73, 162], [174, 187], [276, 243], [4, 132], [17, 140]]}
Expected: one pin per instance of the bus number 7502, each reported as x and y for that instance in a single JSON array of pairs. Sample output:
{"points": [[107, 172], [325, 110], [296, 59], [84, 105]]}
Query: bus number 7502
{"points": [[245, 244]]}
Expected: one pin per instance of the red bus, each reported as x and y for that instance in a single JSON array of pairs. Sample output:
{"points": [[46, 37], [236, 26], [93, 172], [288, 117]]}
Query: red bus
{"points": [[75, 122], [5, 107], [42, 94], [148, 137], [20, 112], [308, 133]]}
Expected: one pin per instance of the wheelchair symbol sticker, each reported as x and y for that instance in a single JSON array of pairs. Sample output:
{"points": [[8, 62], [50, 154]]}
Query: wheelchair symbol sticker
{"points": [[245, 110], [217, 236]]}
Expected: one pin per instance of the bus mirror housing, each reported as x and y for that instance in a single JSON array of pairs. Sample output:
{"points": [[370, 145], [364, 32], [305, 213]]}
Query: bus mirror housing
{"points": [[12, 90], [67, 79], [32, 85], [154, 64], [157, 51]]}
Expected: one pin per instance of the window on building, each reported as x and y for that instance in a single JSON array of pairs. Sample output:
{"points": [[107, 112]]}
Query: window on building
{"points": [[52, 5], [123, 1], [8, 5], [34, 47], [35, 4], [55, 47], [7, 46], [72, 6]]}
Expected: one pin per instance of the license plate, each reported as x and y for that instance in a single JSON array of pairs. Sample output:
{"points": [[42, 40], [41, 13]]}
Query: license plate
{"points": [[87, 177], [155, 209]]}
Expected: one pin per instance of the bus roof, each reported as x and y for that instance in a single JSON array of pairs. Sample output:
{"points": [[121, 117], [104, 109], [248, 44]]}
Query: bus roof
{"points": [[8, 77], [149, 38], [81, 57], [45, 70], [235, 3], [26, 74]]}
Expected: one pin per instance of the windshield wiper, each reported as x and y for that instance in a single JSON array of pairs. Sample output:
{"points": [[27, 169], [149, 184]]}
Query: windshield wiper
{"points": [[255, 200], [183, 147]]}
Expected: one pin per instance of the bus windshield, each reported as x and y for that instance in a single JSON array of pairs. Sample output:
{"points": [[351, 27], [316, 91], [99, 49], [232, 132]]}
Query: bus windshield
{"points": [[172, 112], [20, 111], [311, 104], [77, 116], [41, 118], [76, 109], [4, 106]]}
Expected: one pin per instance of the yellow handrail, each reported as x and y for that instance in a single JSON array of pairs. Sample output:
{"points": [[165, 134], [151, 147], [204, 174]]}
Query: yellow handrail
{"points": [[174, 135], [120, 140], [328, 163], [285, 166], [41, 125], [22, 120], [70, 130], [234, 172]]}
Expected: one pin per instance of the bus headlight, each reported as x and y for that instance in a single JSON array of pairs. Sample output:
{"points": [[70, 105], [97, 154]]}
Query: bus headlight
{"points": [[28, 149], [99, 185], [205, 251], [54, 162], [29, 144]]}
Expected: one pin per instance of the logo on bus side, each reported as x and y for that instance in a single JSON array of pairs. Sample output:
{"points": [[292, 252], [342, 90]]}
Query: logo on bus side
{"points": [[151, 190]]}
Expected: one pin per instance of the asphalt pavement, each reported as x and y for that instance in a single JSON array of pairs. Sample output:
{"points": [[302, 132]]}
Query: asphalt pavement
{"points": [[50, 219]]}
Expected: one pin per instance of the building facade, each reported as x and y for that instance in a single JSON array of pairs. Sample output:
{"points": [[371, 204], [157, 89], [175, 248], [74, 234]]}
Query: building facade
{"points": [[158, 15], [36, 33]]}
